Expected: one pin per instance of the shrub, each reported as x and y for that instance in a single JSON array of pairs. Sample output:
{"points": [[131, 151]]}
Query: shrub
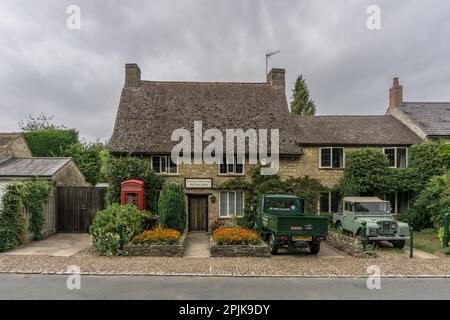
{"points": [[157, 236], [366, 172], [431, 203], [307, 188], [50, 143], [114, 227], [172, 207], [12, 221], [235, 236], [87, 157], [119, 169]]}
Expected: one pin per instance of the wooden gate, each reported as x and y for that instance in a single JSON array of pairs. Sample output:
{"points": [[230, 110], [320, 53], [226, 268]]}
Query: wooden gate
{"points": [[77, 206]]}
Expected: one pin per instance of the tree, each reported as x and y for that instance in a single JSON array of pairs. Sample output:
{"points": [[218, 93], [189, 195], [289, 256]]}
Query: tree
{"points": [[38, 123], [172, 207], [301, 103], [88, 157]]}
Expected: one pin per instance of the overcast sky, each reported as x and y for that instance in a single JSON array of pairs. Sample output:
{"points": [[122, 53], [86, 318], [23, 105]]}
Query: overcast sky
{"points": [[77, 75]]}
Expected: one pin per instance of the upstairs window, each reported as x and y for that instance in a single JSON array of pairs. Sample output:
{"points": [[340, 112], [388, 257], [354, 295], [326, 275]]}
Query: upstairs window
{"points": [[397, 157], [331, 158], [164, 164], [231, 168]]}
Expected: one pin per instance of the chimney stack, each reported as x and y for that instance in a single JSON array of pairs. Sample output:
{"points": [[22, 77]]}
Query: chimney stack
{"points": [[132, 75], [276, 77], [395, 94]]}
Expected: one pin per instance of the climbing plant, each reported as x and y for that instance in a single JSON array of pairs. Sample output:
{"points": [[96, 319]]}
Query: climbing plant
{"points": [[13, 226]]}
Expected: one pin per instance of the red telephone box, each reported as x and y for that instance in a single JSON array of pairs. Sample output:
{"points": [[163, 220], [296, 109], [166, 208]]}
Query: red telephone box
{"points": [[132, 192]]}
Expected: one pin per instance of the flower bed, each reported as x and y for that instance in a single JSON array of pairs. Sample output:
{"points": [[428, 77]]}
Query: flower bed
{"points": [[237, 242], [157, 242]]}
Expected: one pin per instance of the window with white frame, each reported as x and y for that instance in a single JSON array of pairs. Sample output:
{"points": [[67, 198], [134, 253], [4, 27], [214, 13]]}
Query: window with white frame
{"points": [[231, 168], [397, 157], [164, 164], [231, 203], [331, 158]]}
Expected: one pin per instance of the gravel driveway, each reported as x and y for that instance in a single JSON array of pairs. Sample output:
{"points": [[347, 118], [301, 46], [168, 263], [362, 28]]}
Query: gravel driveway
{"points": [[302, 265]]}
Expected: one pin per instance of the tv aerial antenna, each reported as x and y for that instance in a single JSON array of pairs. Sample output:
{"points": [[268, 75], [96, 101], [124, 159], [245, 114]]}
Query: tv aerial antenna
{"points": [[268, 55]]}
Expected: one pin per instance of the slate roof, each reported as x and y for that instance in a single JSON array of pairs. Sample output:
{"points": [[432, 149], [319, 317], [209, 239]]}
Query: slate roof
{"points": [[32, 167], [353, 130], [148, 114], [432, 118]]}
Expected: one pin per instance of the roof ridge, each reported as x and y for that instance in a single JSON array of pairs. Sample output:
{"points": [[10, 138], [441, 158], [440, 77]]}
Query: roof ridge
{"points": [[429, 102], [204, 82]]}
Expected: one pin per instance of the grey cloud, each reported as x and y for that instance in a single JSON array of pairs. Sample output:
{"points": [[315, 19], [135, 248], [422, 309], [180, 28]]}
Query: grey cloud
{"points": [[77, 75]]}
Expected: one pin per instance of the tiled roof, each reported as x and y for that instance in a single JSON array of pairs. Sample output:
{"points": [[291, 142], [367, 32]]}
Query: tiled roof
{"points": [[32, 167], [353, 130], [149, 114], [433, 118]]}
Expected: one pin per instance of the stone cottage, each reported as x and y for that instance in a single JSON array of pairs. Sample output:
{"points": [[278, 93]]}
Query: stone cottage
{"points": [[149, 111]]}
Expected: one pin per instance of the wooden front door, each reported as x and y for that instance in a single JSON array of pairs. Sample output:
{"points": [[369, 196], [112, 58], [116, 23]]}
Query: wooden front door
{"points": [[198, 213]]}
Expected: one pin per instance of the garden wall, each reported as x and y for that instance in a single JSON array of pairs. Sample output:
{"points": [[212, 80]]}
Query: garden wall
{"points": [[260, 250], [350, 245], [157, 250]]}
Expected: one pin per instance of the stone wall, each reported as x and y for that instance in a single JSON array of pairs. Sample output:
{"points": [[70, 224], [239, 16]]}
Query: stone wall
{"points": [[350, 245], [70, 176], [157, 250], [260, 250]]}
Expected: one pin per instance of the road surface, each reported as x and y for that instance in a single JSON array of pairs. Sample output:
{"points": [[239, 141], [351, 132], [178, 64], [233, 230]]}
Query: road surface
{"points": [[14, 286]]}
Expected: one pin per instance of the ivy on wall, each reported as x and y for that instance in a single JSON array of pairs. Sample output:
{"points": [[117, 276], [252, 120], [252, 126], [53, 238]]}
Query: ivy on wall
{"points": [[29, 195], [306, 187]]}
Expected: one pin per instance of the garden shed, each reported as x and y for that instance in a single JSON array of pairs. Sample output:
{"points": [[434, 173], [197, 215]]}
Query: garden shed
{"points": [[61, 172]]}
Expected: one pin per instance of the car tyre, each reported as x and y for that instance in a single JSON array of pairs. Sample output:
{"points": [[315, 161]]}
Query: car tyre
{"points": [[339, 227], [273, 245], [314, 247], [399, 244]]}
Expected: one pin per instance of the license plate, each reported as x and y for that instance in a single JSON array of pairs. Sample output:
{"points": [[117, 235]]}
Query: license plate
{"points": [[302, 238]]}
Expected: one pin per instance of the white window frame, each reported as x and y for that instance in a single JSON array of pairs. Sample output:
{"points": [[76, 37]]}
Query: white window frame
{"points": [[234, 169], [395, 156], [168, 160], [228, 215], [331, 158]]}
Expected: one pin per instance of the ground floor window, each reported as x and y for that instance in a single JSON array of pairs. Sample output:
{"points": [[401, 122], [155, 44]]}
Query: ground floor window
{"points": [[164, 164], [399, 201], [330, 202], [231, 203]]}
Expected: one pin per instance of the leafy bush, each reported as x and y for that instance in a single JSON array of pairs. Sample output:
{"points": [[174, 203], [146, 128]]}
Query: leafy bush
{"points": [[12, 221], [35, 194], [366, 172], [50, 143], [172, 207], [307, 188], [87, 157], [235, 236], [441, 236], [119, 169], [114, 227], [431, 203], [157, 236]]}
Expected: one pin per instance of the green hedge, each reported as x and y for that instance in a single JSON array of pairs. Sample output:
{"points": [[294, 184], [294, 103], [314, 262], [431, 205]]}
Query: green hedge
{"points": [[119, 169], [50, 143]]}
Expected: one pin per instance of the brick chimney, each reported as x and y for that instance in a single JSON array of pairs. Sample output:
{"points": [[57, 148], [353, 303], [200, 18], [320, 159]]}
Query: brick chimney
{"points": [[276, 77], [395, 94], [132, 75]]}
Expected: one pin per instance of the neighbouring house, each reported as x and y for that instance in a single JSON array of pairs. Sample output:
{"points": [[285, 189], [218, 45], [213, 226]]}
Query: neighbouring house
{"points": [[61, 172], [314, 146], [13, 145], [429, 120]]}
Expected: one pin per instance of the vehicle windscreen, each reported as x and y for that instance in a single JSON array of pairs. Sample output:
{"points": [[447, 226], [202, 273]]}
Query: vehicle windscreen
{"points": [[281, 205], [362, 207]]}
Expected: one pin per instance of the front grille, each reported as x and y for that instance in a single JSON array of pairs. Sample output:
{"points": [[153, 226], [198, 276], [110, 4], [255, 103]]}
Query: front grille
{"points": [[386, 227]]}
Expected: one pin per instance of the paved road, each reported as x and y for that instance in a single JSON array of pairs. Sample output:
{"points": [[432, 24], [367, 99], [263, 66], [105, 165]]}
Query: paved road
{"points": [[152, 287]]}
